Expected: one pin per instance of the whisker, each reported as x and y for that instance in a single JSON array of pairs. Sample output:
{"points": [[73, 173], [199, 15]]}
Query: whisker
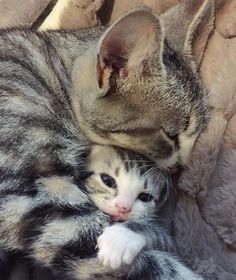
{"points": [[130, 160]]}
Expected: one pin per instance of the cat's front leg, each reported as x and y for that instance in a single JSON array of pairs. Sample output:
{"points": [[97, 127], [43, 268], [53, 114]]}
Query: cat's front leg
{"points": [[53, 222], [118, 245], [157, 265]]}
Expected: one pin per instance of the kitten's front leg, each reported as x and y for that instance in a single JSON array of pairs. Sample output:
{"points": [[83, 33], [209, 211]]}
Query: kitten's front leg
{"points": [[119, 245]]}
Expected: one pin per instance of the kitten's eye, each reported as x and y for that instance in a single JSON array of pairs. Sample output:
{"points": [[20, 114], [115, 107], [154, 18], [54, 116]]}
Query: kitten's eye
{"points": [[145, 197], [108, 180]]}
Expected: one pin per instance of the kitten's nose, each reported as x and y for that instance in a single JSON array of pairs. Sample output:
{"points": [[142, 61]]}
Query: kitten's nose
{"points": [[123, 209], [124, 205]]}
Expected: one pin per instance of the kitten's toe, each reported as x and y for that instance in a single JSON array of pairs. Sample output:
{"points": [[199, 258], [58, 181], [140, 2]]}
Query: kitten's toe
{"points": [[133, 249], [104, 253], [129, 256], [116, 260], [119, 246], [110, 252]]}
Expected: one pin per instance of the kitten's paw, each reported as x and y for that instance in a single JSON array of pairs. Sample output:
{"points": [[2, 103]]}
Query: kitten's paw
{"points": [[119, 246]]}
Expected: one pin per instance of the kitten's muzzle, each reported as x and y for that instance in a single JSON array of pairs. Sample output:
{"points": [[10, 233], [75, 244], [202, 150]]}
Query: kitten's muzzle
{"points": [[119, 218]]}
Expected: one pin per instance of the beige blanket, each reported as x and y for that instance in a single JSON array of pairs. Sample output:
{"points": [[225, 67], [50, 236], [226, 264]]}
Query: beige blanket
{"points": [[21, 12], [205, 218]]}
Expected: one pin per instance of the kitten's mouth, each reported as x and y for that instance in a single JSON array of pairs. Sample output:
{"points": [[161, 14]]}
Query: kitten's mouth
{"points": [[119, 218]]}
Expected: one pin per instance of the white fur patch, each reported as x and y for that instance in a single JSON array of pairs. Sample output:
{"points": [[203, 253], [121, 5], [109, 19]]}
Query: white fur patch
{"points": [[119, 246], [186, 144], [62, 189]]}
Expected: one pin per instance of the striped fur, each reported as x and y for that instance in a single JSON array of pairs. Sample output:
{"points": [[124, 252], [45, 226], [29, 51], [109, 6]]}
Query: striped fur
{"points": [[42, 150]]}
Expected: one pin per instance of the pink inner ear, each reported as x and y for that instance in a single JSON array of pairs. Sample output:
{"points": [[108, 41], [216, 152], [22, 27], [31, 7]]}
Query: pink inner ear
{"points": [[131, 39], [110, 64], [100, 73], [113, 54]]}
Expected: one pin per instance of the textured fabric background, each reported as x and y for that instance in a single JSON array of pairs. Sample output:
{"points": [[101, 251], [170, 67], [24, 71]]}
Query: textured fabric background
{"points": [[20, 12]]}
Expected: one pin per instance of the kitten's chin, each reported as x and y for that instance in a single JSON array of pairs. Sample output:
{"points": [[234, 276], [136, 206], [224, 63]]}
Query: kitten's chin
{"points": [[115, 216], [119, 218]]}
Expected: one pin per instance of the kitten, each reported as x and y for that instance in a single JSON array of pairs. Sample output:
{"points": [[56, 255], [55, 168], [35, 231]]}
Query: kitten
{"points": [[131, 190]]}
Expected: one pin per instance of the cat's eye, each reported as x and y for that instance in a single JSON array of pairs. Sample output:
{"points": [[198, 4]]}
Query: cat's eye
{"points": [[171, 136], [187, 122], [145, 197], [108, 180]]}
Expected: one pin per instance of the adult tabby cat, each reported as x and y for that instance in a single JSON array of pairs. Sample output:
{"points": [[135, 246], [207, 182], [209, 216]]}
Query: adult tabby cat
{"points": [[55, 85]]}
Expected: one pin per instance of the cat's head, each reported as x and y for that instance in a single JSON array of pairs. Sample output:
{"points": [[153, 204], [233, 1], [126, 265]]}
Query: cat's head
{"points": [[136, 90], [123, 184]]}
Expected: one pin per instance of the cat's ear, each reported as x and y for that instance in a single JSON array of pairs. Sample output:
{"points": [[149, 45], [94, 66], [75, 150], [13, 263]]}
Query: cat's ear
{"points": [[125, 46], [198, 32], [188, 26]]}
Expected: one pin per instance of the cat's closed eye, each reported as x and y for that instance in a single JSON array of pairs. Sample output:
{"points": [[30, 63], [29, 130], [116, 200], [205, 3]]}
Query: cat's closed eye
{"points": [[108, 180], [145, 197], [173, 136]]}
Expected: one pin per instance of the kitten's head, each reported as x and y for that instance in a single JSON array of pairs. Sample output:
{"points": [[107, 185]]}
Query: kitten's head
{"points": [[135, 90], [123, 184]]}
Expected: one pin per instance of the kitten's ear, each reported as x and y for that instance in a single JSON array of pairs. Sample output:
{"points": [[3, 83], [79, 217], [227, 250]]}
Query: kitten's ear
{"points": [[199, 30], [126, 45], [188, 26]]}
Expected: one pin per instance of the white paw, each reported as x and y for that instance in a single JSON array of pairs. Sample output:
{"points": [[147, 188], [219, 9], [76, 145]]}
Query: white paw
{"points": [[119, 246]]}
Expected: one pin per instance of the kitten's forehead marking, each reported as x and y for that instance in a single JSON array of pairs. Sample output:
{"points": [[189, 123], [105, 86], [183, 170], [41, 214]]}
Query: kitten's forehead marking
{"points": [[129, 178], [104, 158], [145, 185], [117, 170]]}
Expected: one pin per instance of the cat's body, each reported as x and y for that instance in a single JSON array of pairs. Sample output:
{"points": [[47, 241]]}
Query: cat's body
{"points": [[41, 150], [44, 106]]}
